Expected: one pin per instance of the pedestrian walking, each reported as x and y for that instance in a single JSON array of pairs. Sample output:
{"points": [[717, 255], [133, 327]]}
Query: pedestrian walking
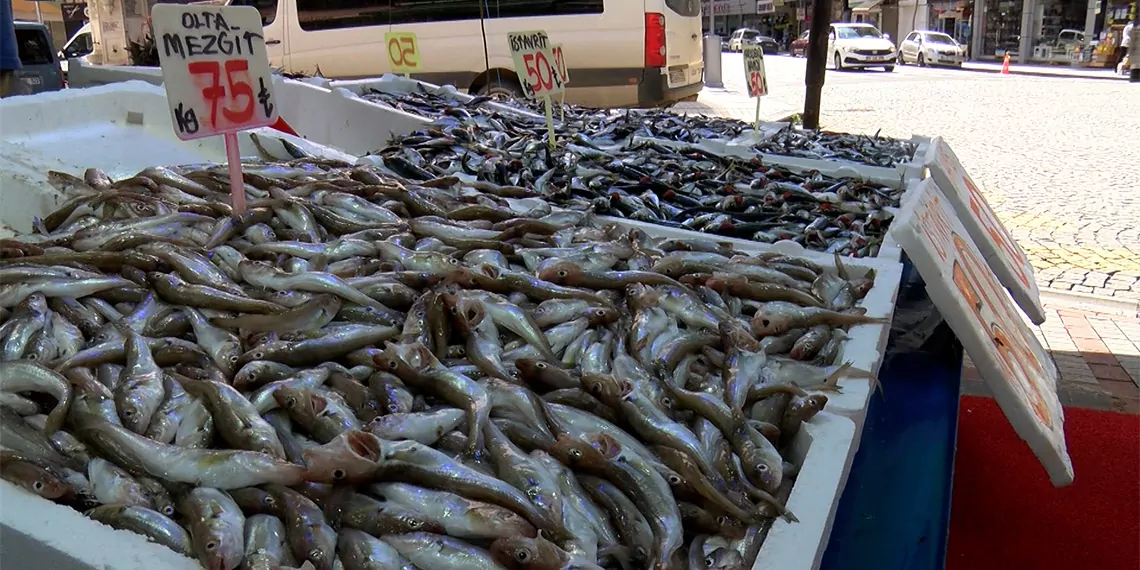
{"points": [[9, 53], [1125, 44]]}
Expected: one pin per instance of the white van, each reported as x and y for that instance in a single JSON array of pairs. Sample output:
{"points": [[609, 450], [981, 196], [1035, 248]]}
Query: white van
{"points": [[80, 45], [619, 53]]}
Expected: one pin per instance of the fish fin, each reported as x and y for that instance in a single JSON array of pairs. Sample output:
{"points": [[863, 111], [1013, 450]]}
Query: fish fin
{"points": [[842, 271]]}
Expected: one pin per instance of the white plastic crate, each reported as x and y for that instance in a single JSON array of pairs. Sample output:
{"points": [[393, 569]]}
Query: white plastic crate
{"points": [[397, 84], [125, 127]]}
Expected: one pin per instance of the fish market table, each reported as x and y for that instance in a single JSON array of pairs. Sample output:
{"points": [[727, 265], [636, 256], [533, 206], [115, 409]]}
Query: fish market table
{"points": [[895, 509]]}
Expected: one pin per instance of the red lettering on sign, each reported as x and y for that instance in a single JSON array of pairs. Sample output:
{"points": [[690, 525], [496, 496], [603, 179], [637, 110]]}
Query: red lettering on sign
{"points": [[218, 96]]}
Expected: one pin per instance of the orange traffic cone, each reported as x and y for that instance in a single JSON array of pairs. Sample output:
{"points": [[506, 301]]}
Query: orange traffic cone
{"points": [[1005, 64]]}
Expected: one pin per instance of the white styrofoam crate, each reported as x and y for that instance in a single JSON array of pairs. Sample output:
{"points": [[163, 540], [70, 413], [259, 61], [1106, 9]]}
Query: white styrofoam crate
{"points": [[866, 344], [81, 73], [125, 127], [121, 128], [396, 84]]}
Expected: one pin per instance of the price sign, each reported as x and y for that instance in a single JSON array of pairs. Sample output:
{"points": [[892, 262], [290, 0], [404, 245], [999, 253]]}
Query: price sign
{"points": [[535, 64], [968, 295], [1001, 251], [403, 51], [560, 65], [754, 71], [216, 74]]}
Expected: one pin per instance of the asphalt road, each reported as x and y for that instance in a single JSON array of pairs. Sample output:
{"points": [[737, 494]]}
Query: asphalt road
{"points": [[1059, 158]]}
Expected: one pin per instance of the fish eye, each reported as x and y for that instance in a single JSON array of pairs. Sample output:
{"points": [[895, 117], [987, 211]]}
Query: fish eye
{"points": [[562, 273], [32, 356], [453, 261], [168, 510], [392, 365], [316, 554], [128, 412], [762, 468], [338, 474], [709, 561], [211, 546], [667, 401], [270, 501], [674, 480], [575, 454], [765, 323], [522, 555], [413, 523], [258, 355], [596, 389], [38, 486], [540, 365], [393, 408], [233, 358], [291, 401], [722, 520]]}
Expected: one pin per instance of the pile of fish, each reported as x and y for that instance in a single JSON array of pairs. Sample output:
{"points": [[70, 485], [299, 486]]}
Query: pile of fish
{"points": [[569, 119], [371, 372], [614, 174], [824, 145]]}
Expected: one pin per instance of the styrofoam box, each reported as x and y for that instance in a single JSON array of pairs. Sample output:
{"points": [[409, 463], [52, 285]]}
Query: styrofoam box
{"points": [[399, 85], [121, 128], [866, 344], [125, 127]]}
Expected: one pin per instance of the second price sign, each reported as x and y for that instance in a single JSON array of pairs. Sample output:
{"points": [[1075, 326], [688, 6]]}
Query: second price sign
{"points": [[537, 64]]}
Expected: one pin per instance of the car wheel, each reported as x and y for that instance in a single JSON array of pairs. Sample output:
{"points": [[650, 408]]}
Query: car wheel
{"points": [[921, 60], [838, 62], [899, 57], [889, 68], [502, 87]]}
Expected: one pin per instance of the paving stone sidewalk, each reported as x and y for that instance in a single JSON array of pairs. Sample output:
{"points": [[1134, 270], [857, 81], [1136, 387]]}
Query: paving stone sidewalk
{"points": [[1097, 354]]}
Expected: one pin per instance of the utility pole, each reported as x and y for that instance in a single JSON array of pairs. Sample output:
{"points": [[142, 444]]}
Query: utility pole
{"points": [[816, 61]]}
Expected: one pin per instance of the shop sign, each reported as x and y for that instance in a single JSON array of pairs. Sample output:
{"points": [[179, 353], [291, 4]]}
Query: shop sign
{"points": [[801, 14], [1001, 251], [765, 7], [966, 292]]}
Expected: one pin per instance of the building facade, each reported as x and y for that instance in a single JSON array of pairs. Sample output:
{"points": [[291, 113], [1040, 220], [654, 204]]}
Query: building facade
{"points": [[1081, 32]]}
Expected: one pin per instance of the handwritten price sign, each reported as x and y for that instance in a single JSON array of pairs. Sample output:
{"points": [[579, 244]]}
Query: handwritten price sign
{"points": [[754, 71], [403, 51], [1001, 251], [215, 68], [536, 64], [967, 293]]}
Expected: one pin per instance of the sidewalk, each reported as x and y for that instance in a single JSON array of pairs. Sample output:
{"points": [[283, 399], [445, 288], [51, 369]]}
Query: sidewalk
{"points": [[1045, 70], [1097, 354]]}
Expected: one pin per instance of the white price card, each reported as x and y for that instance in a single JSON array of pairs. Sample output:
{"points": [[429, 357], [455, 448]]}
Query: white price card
{"points": [[403, 51], [754, 71], [535, 64], [1001, 251], [215, 68], [966, 292], [560, 64]]}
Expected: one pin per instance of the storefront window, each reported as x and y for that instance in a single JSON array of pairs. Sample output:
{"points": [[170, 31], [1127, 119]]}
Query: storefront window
{"points": [[1002, 28], [1058, 28]]}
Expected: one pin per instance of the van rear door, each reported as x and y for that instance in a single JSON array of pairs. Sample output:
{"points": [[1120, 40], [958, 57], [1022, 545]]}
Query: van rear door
{"points": [[684, 58]]}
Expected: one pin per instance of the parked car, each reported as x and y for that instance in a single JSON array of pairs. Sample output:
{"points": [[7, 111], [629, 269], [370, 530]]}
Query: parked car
{"points": [[861, 46], [800, 45], [745, 36], [925, 47], [40, 71]]}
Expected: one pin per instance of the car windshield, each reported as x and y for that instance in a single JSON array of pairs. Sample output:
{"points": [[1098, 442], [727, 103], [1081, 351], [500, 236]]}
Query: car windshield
{"points": [[750, 35], [855, 32], [941, 39], [33, 47]]}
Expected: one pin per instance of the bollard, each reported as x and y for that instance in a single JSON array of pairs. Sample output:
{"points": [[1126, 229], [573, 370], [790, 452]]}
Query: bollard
{"points": [[712, 62]]}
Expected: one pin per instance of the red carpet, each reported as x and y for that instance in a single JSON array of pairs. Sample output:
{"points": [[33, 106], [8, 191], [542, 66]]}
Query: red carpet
{"points": [[1006, 515]]}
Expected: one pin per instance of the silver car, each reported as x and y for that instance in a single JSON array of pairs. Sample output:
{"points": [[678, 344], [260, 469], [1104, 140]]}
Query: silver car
{"points": [[931, 48]]}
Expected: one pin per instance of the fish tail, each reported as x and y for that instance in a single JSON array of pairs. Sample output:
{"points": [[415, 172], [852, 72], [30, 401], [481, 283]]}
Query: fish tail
{"points": [[842, 271]]}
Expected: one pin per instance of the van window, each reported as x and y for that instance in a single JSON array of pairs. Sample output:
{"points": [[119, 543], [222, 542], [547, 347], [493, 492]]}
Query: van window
{"points": [[268, 8], [331, 14], [684, 7], [33, 47], [79, 45]]}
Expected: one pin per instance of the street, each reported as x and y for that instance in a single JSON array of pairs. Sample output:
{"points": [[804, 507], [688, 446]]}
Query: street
{"points": [[1058, 157]]}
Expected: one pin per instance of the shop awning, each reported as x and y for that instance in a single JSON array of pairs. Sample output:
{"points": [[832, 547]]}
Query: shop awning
{"points": [[866, 5]]}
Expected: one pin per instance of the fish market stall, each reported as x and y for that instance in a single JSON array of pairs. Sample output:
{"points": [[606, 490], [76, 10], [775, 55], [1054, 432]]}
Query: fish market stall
{"points": [[153, 352]]}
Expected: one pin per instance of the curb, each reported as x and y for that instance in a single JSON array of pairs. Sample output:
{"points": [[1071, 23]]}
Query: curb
{"points": [[1048, 74], [1096, 303]]}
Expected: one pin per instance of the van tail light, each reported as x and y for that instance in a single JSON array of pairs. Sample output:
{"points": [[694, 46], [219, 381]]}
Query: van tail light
{"points": [[654, 39]]}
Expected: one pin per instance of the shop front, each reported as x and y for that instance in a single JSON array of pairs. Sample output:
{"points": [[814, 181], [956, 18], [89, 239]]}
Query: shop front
{"points": [[1070, 32], [773, 18]]}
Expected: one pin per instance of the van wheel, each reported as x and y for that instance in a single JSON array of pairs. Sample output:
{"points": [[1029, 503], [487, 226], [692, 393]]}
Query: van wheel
{"points": [[503, 87]]}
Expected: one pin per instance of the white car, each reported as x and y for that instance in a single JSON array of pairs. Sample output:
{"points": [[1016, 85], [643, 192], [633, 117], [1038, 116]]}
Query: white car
{"points": [[931, 48], [860, 45]]}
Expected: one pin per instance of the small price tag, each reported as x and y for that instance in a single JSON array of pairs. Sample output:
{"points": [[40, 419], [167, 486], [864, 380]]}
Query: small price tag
{"points": [[535, 64], [403, 51], [560, 64], [215, 68], [1017, 368], [754, 71], [217, 76], [1001, 251]]}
